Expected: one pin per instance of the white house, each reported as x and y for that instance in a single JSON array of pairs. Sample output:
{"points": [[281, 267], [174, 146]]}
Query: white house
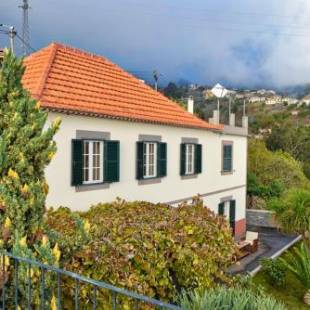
{"points": [[306, 100], [273, 100], [120, 138], [255, 99]]}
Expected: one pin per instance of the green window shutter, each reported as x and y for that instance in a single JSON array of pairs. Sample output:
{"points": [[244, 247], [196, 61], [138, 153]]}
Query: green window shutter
{"points": [[182, 158], [111, 161], [198, 158], [140, 161], [227, 157], [232, 215], [77, 162], [161, 159], [221, 208]]}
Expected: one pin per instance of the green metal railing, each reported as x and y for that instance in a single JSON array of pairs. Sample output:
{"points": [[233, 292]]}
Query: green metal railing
{"points": [[11, 288]]}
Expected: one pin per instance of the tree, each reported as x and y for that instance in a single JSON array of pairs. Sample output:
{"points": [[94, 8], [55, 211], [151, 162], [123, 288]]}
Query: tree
{"points": [[173, 91], [253, 188], [270, 166], [292, 139], [26, 148]]}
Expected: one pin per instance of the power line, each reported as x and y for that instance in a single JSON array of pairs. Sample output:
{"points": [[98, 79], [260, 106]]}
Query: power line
{"points": [[29, 47], [222, 12], [240, 30], [242, 24]]}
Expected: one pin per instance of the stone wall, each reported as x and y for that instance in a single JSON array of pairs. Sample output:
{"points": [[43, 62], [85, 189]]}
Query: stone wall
{"points": [[260, 218]]}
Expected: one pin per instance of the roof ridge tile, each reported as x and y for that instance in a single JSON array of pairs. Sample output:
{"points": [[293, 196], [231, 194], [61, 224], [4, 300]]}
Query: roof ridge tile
{"points": [[53, 50]]}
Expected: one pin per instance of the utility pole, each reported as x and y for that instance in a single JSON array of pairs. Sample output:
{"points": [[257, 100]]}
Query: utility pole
{"points": [[12, 34], [26, 37], [243, 107], [10, 31]]}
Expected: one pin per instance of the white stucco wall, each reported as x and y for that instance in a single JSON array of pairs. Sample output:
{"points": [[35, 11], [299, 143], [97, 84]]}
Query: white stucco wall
{"points": [[210, 183]]}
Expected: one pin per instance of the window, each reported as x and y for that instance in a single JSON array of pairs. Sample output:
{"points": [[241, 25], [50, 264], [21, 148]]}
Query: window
{"points": [[189, 159], [92, 162], [149, 160], [227, 165]]}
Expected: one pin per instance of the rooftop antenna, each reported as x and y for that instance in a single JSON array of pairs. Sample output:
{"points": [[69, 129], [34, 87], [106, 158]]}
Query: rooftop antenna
{"points": [[156, 77], [26, 36]]}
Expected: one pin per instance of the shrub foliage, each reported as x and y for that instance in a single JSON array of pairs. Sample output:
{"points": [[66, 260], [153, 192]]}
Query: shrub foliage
{"points": [[223, 298], [152, 249], [270, 167], [275, 271], [293, 211]]}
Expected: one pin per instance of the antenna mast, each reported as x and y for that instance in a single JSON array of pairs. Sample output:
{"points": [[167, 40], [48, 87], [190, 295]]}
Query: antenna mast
{"points": [[26, 36], [156, 77]]}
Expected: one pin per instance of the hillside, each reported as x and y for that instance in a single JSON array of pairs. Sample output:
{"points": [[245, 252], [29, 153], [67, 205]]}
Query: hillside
{"points": [[284, 127]]}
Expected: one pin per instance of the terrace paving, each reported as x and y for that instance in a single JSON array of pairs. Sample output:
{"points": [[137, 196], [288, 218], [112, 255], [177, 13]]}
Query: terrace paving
{"points": [[272, 243]]}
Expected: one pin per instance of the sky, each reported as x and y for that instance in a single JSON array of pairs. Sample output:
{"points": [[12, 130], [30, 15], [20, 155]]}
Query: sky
{"points": [[240, 43]]}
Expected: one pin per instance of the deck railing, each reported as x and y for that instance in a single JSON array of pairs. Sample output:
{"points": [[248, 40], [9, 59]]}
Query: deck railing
{"points": [[18, 291]]}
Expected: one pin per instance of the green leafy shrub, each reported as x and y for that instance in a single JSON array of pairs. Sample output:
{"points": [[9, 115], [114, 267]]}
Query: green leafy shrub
{"points": [[223, 298], [293, 211], [272, 189], [275, 271], [68, 230], [152, 249], [297, 261]]}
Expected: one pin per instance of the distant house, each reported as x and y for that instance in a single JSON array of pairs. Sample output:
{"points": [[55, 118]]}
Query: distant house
{"points": [[120, 138], [290, 100], [306, 100], [272, 100], [254, 99]]}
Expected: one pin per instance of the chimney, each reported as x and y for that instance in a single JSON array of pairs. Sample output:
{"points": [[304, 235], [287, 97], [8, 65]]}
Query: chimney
{"points": [[190, 104]]}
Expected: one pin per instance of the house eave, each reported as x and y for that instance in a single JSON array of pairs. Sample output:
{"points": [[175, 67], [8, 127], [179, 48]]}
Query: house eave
{"points": [[128, 119]]}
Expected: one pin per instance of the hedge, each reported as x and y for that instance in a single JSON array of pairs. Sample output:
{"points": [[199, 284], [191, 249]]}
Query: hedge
{"points": [[152, 249]]}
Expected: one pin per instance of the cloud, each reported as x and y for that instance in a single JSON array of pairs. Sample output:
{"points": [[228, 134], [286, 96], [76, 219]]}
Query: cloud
{"points": [[248, 43]]}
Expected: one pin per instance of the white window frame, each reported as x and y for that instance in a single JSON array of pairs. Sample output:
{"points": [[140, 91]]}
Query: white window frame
{"points": [[91, 167], [189, 158], [149, 160]]}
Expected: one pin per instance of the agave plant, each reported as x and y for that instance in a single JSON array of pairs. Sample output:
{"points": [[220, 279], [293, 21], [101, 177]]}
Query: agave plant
{"points": [[298, 262], [223, 298]]}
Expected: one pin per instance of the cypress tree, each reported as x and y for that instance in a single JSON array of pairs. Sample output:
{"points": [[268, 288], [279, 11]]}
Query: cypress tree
{"points": [[26, 148]]}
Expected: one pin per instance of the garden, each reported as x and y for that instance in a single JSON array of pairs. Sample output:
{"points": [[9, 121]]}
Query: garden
{"points": [[179, 255], [281, 284]]}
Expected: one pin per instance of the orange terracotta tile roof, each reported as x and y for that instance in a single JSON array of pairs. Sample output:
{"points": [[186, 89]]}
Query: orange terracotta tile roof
{"points": [[69, 80]]}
